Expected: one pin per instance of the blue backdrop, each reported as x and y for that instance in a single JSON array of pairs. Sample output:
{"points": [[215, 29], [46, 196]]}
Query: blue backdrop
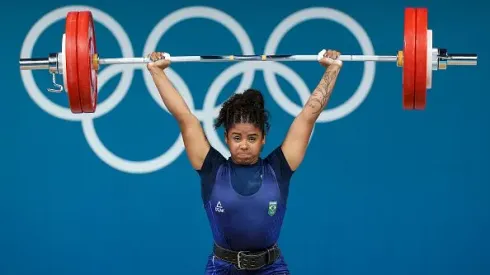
{"points": [[381, 191]]}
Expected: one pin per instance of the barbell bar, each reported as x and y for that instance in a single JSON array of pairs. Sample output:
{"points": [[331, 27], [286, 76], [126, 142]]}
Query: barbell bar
{"points": [[79, 61]]}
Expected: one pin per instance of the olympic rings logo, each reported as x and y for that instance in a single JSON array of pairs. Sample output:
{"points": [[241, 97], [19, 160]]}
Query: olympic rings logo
{"points": [[209, 111]]}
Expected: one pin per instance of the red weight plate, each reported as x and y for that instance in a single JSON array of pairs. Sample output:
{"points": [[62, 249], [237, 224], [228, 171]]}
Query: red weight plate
{"points": [[71, 62], [421, 60], [409, 58], [87, 75]]}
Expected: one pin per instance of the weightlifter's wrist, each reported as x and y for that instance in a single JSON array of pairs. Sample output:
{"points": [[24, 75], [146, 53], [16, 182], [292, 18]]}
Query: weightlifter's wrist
{"points": [[155, 70]]}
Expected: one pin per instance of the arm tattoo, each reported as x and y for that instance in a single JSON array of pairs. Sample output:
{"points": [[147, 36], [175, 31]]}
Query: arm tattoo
{"points": [[319, 99]]}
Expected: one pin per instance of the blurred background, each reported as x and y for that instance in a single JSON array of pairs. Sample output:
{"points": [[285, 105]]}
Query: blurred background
{"points": [[381, 191]]}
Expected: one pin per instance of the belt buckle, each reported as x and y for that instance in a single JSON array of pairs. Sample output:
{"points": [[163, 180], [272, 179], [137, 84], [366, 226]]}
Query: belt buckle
{"points": [[239, 264], [238, 260]]}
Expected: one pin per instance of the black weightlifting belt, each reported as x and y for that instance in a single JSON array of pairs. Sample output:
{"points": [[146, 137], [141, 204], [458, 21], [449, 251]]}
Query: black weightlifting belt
{"points": [[245, 260]]}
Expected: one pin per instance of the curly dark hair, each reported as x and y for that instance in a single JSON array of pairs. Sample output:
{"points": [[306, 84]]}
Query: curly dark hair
{"points": [[247, 107]]}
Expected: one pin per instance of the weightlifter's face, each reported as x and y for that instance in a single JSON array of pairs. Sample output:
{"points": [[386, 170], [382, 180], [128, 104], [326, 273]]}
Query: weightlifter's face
{"points": [[245, 142]]}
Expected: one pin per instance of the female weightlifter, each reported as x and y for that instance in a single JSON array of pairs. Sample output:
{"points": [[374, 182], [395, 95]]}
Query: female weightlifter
{"points": [[245, 196]]}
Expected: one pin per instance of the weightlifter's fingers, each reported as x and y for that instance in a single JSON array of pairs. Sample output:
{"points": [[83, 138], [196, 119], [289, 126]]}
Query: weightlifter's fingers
{"points": [[328, 53], [331, 54], [151, 57]]}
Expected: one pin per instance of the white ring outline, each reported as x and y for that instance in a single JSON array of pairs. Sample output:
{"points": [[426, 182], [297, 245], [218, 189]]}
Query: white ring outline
{"points": [[135, 167], [192, 13], [63, 112], [361, 36]]}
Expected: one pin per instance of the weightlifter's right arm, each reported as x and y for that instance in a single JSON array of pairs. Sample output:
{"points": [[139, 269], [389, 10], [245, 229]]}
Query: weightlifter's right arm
{"points": [[195, 141]]}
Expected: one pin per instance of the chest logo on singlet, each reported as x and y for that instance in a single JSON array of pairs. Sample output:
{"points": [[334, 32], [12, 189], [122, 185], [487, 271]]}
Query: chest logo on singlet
{"points": [[272, 208], [219, 208]]}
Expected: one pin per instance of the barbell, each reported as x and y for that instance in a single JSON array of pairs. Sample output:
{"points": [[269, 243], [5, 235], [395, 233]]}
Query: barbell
{"points": [[79, 61]]}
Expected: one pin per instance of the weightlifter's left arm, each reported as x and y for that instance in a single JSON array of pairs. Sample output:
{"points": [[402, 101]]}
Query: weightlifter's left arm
{"points": [[296, 141]]}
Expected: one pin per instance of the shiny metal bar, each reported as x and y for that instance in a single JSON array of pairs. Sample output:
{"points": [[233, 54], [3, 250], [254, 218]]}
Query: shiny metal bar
{"points": [[50, 63], [34, 63], [461, 59], [239, 58]]}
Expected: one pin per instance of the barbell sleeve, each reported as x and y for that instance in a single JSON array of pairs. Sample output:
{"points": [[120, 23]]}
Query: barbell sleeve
{"points": [[460, 59]]}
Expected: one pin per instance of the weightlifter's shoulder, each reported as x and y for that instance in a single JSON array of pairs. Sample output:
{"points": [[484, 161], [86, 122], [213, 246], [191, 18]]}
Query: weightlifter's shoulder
{"points": [[279, 164], [211, 163], [209, 170]]}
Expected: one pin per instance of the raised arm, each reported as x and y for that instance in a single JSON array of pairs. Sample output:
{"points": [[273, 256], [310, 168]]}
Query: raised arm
{"points": [[298, 136], [195, 141]]}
